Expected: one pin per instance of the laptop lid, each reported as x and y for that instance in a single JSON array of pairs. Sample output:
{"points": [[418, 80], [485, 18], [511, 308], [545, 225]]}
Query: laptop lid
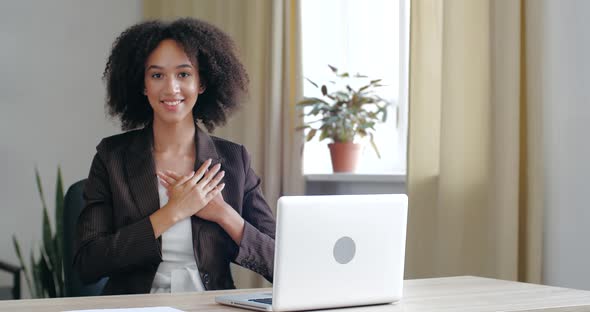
{"points": [[339, 250]]}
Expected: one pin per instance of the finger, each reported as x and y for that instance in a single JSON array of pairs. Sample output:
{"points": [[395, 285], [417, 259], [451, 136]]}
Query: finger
{"points": [[173, 175], [164, 183], [166, 178], [184, 179], [200, 172], [213, 183], [210, 174], [215, 192]]}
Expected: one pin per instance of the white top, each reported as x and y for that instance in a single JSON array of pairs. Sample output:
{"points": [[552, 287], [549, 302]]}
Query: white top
{"points": [[178, 271]]}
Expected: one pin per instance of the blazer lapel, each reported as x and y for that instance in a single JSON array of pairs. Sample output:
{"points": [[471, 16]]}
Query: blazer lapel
{"points": [[205, 149], [141, 172]]}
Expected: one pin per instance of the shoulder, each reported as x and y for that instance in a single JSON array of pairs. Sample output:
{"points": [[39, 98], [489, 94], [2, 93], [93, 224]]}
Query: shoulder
{"points": [[118, 142], [230, 151]]}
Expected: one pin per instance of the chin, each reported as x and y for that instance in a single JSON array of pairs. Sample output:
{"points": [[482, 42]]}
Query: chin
{"points": [[173, 119]]}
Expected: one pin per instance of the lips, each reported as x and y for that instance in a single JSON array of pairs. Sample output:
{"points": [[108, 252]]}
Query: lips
{"points": [[172, 104]]}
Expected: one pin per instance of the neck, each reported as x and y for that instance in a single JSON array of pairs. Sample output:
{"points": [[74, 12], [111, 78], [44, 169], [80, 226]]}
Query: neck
{"points": [[176, 138]]}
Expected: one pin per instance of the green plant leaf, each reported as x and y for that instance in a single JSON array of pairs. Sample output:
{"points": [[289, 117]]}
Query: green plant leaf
{"points": [[46, 275], [324, 134], [313, 83], [58, 239], [375, 146], [310, 101], [47, 235], [334, 69], [36, 273], [324, 90], [310, 135], [302, 127], [22, 264], [40, 188]]}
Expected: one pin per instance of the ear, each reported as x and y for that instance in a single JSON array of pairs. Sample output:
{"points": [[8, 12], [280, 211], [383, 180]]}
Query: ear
{"points": [[202, 89], [144, 91]]}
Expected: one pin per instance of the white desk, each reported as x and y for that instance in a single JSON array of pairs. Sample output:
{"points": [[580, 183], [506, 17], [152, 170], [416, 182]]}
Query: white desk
{"points": [[465, 293]]}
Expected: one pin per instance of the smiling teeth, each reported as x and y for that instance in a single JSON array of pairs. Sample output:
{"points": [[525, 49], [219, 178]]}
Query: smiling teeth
{"points": [[174, 103]]}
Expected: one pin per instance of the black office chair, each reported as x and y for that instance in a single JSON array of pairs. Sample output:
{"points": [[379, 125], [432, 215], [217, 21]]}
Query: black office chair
{"points": [[73, 205], [15, 271]]}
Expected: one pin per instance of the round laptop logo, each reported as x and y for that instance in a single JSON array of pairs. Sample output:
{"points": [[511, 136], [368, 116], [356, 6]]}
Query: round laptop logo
{"points": [[344, 250]]}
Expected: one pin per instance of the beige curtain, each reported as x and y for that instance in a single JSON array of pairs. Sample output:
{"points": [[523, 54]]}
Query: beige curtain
{"points": [[474, 179], [267, 35]]}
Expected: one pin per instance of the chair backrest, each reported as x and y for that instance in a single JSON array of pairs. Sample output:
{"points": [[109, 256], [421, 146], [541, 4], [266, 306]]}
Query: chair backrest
{"points": [[14, 292], [73, 205]]}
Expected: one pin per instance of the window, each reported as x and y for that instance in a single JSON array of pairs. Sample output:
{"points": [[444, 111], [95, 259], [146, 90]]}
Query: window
{"points": [[369, 37]]}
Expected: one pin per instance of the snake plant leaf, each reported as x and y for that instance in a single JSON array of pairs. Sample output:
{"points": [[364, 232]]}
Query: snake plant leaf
{"points": [[22, 263], [59, 211], [40, 188], [46, 275], [36, 273], [48, 237]]}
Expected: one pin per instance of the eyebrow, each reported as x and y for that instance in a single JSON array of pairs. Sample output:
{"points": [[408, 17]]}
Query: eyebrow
{"points": [[160, 67]]}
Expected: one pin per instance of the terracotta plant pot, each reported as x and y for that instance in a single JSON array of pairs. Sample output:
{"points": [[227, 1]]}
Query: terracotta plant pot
{"points": [[345, 156]]}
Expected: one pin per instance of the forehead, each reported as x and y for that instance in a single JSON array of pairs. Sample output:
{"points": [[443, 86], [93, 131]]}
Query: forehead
{"points": [[168, 53]]}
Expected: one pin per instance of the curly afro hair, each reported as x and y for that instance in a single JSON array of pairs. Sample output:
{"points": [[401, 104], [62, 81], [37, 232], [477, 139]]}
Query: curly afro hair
{"points": [[221, 72]]}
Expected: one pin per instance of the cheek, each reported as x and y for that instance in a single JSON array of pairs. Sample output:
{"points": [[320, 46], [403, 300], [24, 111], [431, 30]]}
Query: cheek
{"points": [[191, 90]]}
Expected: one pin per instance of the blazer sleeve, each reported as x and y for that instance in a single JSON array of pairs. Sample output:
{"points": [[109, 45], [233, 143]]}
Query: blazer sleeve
{"points": [[256, 250], [102, 249]]}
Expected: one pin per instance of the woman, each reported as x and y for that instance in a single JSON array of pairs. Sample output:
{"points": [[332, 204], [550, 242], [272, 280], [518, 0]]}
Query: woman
{"points": [[168, 207]]}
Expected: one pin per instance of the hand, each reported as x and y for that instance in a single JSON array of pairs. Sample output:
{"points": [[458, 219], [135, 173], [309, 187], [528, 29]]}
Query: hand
{"points": [[187, 195], [213, 211], [217, 210]]}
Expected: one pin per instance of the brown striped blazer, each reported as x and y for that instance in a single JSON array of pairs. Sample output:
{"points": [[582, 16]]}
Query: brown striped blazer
{"points": [[115, 237]]}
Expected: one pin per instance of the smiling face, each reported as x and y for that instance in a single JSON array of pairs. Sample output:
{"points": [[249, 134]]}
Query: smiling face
{"points": [[172, 83]]}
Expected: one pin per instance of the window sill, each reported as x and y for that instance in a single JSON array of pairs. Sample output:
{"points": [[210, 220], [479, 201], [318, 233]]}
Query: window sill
{"points": [[356, 177]]}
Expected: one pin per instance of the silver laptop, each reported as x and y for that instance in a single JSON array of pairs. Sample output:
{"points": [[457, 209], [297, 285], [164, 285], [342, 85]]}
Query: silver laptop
{"points": [[334, 251]]}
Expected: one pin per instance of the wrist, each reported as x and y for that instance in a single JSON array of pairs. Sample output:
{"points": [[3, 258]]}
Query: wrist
{"points": [[171, 213], [227, 213]]}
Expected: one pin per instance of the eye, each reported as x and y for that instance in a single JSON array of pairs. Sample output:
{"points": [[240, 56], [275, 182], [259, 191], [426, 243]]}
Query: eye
{"points": [[156, 75], [184, 75]]}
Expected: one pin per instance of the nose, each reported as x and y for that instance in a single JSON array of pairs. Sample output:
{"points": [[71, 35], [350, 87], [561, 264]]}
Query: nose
{"points": [[172, 85]]}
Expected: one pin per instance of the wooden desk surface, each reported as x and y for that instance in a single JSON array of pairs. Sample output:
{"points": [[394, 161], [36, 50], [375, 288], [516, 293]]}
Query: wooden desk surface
{"points": [[464, 293]]}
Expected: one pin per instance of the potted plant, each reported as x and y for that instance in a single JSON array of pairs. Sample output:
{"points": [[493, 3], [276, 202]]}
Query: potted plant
{"points": [[343, 115], [45, 276]]}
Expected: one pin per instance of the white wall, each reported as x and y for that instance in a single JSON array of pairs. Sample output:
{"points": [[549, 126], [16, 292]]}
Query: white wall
{"points": [[52, 55], [566, 105]]}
